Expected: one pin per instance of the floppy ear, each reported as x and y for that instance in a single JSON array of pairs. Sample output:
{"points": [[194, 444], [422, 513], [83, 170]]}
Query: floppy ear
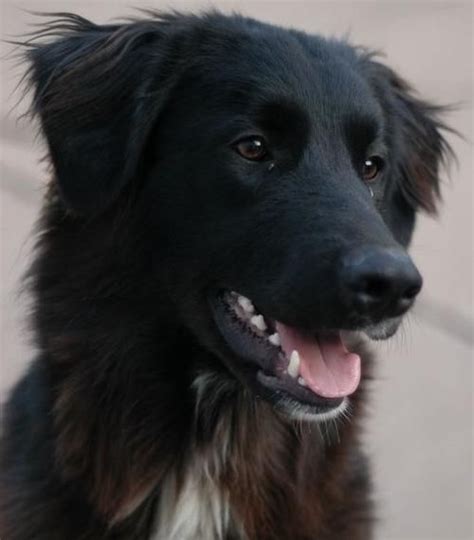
{"points": [[97, 91], [416, 132]]}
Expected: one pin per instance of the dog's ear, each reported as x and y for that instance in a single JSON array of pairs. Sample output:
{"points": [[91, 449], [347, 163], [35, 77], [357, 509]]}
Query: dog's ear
{"points": [[415, 129], [97, 91]]}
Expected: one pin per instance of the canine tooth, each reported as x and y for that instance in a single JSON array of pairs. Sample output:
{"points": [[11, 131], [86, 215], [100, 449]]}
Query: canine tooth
{"points": [[245, 304], [301, 381], [294, 364], [274, 339], [259, 322]]}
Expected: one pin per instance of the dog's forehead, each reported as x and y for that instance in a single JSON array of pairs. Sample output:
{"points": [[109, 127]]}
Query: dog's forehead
{"points": [[268, 64]]}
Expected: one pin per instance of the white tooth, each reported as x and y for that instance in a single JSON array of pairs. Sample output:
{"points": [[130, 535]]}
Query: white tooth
{"points": [[274, 339], [294, 364], [245, 304], [258, 321], [301, 381]]}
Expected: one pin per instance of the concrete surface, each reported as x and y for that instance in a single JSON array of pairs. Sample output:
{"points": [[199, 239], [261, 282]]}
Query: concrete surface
{"points": [[419, 429]]}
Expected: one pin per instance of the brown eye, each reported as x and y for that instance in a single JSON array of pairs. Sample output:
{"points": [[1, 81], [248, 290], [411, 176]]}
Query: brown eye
{"points": [[251, 148], [371, 168]]}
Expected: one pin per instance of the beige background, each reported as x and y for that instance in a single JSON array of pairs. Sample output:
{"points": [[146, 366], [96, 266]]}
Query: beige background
{"points": [[419, 430]]}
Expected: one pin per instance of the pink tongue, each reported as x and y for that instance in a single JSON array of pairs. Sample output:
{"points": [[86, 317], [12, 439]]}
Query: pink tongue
{"points": [[326, 365]]}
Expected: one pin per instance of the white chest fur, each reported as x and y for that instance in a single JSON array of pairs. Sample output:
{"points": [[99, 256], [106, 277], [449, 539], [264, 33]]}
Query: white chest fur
{"points": [[196, 510]]}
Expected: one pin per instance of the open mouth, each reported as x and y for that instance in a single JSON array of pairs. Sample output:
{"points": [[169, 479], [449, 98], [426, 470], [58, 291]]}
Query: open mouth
{"points": [[311, 369]]}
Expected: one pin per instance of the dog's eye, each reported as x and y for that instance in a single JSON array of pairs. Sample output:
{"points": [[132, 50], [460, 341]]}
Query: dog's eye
{"points": [[371, 168], [251, 148]]}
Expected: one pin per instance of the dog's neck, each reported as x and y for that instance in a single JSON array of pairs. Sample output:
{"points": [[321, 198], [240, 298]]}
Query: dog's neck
{"points": [[248, 470]]}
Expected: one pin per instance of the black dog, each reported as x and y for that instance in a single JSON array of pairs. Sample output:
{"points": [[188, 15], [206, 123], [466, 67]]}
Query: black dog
{"points": [[229, 211]]}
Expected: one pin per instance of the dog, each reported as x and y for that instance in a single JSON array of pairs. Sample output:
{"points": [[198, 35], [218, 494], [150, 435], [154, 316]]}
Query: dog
{"points": [[225, 229]]}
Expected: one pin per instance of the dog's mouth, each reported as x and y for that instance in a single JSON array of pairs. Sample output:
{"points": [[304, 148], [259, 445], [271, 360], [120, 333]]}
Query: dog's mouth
{"points": [[312, 369]]}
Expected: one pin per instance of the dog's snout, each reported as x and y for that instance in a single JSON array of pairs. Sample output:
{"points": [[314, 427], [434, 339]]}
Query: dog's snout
{"points": [[379, 282]]}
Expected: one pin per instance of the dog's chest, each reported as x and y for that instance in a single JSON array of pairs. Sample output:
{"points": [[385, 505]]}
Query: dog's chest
{"points": [[193, 509]]}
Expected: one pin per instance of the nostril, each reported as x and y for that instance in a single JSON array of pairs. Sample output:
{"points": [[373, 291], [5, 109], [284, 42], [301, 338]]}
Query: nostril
{"points": [[412, 291], [374, 287]]}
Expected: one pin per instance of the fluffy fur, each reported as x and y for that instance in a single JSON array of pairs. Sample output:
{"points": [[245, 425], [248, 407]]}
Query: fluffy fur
{"points": [[131, 422]]}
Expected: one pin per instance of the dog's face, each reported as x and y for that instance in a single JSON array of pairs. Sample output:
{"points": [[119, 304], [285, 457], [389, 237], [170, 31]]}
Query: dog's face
{"points": [[278, 176]]}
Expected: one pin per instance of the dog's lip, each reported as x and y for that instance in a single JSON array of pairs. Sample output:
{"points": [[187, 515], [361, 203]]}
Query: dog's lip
{"points": [[380, 331], [287, 385], [383, 330], [321, 374]]}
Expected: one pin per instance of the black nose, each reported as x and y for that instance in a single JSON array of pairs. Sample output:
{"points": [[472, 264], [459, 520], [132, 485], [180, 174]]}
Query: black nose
{"points": [[379, 282]]}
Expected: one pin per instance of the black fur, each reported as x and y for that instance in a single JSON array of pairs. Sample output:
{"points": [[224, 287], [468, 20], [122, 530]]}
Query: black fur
{"points": [[149, 211]]}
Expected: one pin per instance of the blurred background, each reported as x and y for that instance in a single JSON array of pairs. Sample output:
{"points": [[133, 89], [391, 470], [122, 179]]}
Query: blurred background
{"points": [[419, 429]]}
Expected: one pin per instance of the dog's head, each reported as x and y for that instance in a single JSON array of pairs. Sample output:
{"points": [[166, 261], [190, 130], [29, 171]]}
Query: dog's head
{"points": [[276, 176]]}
